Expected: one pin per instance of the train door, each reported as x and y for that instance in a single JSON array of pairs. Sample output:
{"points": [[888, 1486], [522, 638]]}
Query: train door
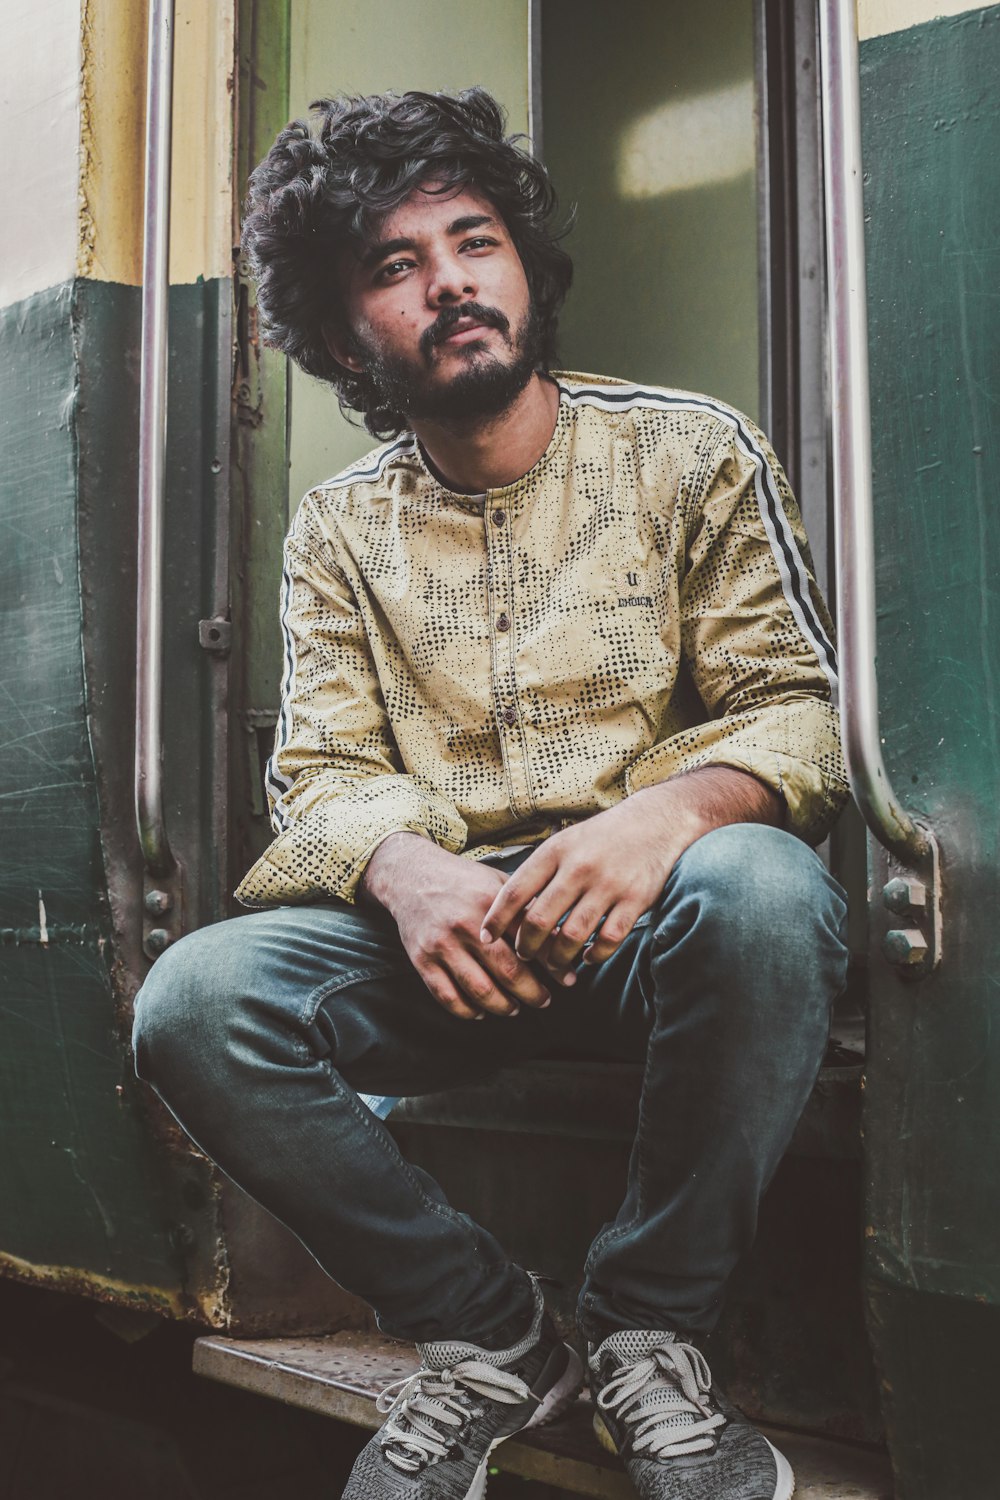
{"points": [[688, 139]]}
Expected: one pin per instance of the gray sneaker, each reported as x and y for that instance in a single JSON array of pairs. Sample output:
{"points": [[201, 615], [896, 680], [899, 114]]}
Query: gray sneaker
{"points": [[445, 1421], [656, 1408]]}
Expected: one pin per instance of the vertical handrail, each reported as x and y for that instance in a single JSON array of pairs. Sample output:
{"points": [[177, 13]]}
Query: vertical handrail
{"points": [[894, 828], [150, 820]]}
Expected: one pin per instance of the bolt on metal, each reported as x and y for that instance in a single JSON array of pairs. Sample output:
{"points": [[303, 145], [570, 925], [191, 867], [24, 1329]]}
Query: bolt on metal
{"points": [[901, 895], [905, 946]]}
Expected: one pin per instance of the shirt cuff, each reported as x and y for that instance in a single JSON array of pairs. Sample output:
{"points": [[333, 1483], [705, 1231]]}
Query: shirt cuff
{"points": [[326, 850]]}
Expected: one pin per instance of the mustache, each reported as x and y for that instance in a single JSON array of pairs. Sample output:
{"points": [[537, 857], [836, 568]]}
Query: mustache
{"points": [[448, 317]]}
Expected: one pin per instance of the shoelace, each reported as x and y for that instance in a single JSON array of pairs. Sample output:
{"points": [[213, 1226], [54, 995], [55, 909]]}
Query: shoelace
{"points": [[662, 1398], [421, 1404]]}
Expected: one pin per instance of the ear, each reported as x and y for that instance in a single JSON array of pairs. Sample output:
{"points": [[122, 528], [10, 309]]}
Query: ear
{"points": [[340, 344]]}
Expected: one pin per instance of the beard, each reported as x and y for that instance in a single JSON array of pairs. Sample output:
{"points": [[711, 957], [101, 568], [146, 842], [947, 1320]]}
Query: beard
{"points": [[485, 386]]}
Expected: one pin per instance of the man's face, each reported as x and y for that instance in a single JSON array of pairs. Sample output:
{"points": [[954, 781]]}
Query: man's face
{"points": [[439, 311]]}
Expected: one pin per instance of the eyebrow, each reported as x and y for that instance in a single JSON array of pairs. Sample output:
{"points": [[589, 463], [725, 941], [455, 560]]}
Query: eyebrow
{"points": [[384, 248]]}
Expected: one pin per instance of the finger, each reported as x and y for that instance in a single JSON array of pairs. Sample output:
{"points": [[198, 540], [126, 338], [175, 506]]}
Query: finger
{"points": [[479, 989], [513, 896], [614, 930], [513, 975], [449, 998], [565, 947], [546, 912]]}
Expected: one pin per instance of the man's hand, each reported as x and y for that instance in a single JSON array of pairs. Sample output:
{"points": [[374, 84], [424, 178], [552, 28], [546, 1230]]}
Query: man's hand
{"points": [[438, 902], [605, 872]]}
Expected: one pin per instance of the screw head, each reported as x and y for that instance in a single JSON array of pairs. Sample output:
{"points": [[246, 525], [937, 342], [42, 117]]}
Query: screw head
{"points": [[902, 894], [157, 902], [905, 946]]}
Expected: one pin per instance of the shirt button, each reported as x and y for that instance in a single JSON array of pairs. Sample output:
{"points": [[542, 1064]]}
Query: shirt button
{"points": [[499, 517], [503, 623], [509, 716]]}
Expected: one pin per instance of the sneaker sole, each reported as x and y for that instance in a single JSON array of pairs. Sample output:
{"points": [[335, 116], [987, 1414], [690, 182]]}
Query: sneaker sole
{"points": [[556, 1401], [784, 1487]]}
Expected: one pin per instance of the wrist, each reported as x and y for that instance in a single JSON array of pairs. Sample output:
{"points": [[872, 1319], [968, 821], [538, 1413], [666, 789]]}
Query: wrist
{"points": [[389, 866], [712, 796], [668, 821]]}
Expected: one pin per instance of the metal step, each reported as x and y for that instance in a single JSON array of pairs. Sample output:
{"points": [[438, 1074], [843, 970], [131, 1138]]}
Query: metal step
{"points": [[340, 1376]]}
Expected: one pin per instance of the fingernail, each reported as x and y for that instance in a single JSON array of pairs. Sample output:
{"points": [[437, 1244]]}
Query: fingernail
{"points": [[485, 936], [545, 1002], [569, 977]]}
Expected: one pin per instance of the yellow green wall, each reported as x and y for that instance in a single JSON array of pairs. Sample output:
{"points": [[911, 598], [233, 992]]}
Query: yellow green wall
{"points": [[367, 46], [649, 129]]}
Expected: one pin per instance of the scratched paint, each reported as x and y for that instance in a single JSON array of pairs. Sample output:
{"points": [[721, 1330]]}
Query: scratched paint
{"points": [[932, 1121], [933, 204], [83, 1183]]}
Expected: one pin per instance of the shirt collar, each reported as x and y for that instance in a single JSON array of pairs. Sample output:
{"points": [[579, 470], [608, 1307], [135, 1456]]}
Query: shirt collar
{"points": [[512, 494]]}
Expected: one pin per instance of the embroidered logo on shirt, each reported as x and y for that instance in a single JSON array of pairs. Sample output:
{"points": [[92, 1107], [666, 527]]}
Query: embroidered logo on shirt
{"points": [[624, 599]]}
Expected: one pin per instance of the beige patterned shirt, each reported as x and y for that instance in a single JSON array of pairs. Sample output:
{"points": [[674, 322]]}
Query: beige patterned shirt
{"points": [[487, 670]]}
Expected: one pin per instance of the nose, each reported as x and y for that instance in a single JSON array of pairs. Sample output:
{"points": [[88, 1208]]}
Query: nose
{"points": [[451, 280]]}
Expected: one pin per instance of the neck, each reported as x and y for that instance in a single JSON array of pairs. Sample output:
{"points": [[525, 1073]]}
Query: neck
{"points": [[494, 451]]}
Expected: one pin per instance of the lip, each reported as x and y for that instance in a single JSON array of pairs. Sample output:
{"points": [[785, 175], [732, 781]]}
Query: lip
{"points": [[465, 334]]}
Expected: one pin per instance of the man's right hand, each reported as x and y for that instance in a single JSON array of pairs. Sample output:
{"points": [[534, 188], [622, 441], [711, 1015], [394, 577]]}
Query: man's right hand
{"points": [[438, 902]]}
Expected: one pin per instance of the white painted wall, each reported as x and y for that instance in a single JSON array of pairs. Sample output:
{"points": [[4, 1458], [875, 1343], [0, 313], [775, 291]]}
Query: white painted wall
{"points": [[40, 130], [879, 17]]}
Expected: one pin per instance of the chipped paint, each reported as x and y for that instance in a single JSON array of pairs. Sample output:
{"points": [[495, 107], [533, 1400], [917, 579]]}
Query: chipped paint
{"points": [[113, 91], [108, 1289], [43, 926], [880, 17]]}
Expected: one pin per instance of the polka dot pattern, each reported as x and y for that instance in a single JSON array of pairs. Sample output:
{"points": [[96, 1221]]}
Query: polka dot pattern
{"points": [[487, 670]]}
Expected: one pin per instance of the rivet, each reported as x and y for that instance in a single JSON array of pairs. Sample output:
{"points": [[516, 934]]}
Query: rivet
{"points": [[158, 941]]}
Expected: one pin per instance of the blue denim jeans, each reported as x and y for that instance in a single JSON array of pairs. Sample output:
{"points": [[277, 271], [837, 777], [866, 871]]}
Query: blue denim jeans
{"points": [[260, 1033]]}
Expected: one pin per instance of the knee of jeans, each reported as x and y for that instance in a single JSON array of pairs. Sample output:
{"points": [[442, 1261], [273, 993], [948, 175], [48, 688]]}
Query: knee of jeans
{"points": [[180, 1010], [757, 893]]}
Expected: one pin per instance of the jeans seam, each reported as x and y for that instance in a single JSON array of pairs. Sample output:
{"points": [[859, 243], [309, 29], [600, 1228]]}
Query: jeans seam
{"points": [[617, 1231], [378, 1133], [341, 981]]}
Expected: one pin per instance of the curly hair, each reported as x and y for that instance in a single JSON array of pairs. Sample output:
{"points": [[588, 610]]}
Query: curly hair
{"points": [[330, 181]]}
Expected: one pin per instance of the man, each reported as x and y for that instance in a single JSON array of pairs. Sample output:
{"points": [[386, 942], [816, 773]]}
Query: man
{"points": [[556, 734]]}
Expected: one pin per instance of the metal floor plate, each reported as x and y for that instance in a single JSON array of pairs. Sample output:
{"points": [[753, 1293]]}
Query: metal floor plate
{"points": [[340, 1376]]}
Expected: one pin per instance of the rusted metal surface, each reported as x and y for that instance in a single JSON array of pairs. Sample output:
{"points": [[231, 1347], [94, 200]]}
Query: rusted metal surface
{"points": [[106, 1289], [341, 1376]]}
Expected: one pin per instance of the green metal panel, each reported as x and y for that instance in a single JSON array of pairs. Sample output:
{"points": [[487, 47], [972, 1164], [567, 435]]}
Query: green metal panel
{"points": [[931, 151], [259, 468], [82, 1201]]}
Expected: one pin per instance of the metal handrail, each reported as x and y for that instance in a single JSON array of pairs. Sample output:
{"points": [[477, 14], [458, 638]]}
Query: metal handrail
{"points": [[150, 820], [884, 814]]}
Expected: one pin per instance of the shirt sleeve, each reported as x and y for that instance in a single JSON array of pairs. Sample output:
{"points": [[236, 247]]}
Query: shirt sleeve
{"points": [[335, 783], [756, 640]]}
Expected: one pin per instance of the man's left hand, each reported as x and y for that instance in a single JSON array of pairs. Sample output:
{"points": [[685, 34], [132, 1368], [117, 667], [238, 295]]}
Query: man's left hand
{"points": [[613, 866]]}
